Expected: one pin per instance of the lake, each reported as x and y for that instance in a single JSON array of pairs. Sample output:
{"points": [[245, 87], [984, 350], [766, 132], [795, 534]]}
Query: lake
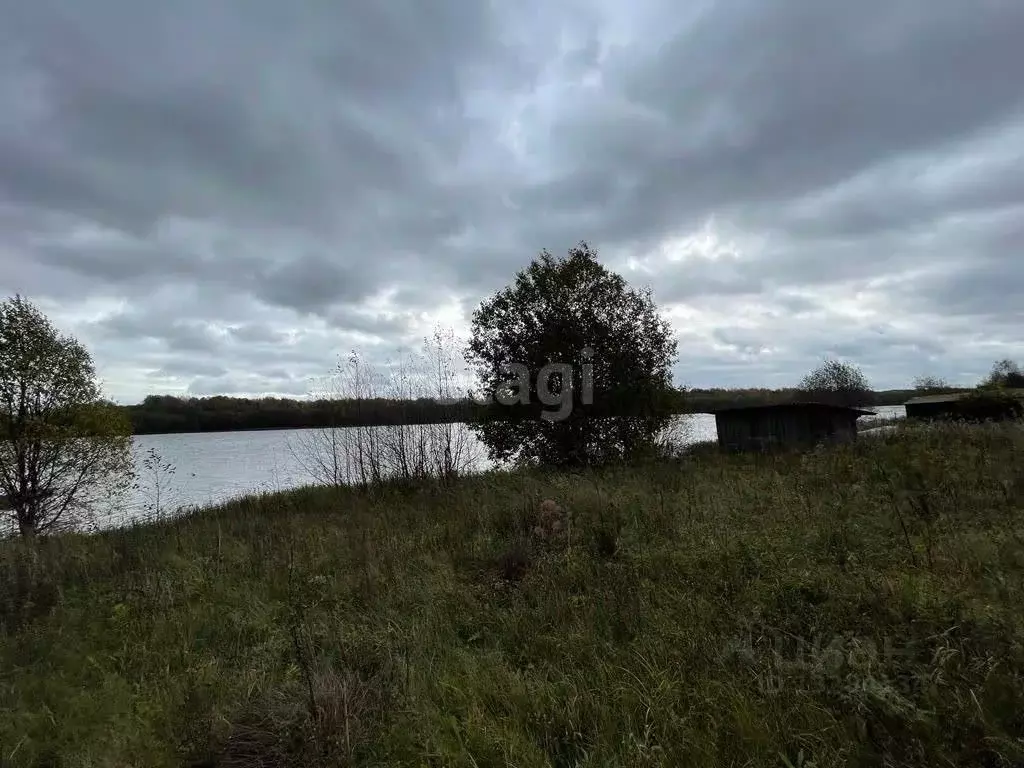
{"points": [[213, 467]]}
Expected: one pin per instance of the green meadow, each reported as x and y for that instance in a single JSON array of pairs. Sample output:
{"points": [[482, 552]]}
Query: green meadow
{"points": [[859, 605]]}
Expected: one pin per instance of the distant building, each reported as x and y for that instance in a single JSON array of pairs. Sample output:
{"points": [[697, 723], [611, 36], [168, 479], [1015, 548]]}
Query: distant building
{"points": [[971, 406], [933, 406], [785, 425]]}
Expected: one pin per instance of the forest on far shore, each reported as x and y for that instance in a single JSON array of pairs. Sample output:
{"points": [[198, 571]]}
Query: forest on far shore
{"points": [[159, 414]]}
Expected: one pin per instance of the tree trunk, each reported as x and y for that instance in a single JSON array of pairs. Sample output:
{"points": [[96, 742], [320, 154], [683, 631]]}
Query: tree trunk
{"points": [[26, 526]]}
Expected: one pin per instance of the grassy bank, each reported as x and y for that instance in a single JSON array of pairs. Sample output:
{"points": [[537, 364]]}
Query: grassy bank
{"points": [[855, 606]]}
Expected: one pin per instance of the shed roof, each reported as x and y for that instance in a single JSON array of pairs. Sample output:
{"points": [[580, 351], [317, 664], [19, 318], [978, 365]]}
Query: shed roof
{"points": [[790, 405], [951, 397]]}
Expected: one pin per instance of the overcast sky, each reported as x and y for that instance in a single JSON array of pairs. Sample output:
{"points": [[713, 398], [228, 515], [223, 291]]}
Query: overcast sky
{"points": [[220, 197]]}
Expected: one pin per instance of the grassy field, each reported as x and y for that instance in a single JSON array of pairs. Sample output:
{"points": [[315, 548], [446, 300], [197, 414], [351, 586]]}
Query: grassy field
{"points": [[854, 606]]}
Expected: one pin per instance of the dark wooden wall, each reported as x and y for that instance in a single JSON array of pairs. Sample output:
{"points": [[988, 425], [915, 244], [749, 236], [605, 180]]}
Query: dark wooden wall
{"points": [[781, 427]]}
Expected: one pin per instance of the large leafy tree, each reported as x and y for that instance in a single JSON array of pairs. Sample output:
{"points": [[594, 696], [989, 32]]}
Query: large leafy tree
{"points": [[837, 383], [614, 397], [1005, 373], [929, 383], [62, 446]]}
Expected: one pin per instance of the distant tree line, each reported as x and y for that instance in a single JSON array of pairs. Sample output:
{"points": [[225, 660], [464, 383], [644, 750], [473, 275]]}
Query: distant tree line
{"points": [[159, 414], [167, 413]]}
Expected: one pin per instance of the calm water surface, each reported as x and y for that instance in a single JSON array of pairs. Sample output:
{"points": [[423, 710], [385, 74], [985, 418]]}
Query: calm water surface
{"points": [[213, 467]]}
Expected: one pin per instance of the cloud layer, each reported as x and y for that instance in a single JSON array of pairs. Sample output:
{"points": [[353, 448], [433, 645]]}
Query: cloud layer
{"points": [[223, 196]]}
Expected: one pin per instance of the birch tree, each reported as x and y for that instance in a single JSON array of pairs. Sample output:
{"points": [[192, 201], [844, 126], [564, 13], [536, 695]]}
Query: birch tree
{"points": [[63, 448]]}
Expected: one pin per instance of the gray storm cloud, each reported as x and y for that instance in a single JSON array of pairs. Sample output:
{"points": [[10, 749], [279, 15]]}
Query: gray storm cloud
{"points": [[221, 197]]}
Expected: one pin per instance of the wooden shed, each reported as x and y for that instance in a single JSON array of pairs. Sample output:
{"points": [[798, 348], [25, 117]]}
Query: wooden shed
{"points": [[785, 425], [933, 406]]}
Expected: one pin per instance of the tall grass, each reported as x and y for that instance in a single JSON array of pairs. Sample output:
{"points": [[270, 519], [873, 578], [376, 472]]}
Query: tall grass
{"points": [[859, 605], [369, 455]]}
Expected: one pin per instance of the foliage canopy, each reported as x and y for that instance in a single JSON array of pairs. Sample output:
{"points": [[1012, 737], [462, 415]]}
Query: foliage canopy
{"points": [[837, 383], [614, 389], [62, 446], [1005, 373], [929, 383]]}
